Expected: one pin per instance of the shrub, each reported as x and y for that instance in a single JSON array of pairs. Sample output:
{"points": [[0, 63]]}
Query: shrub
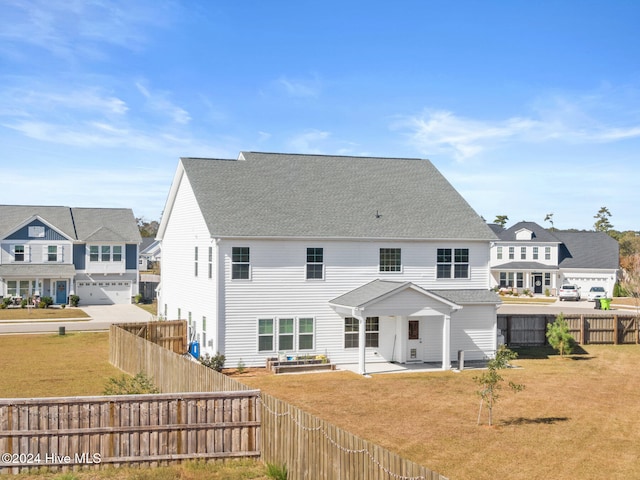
{"points": [[23, 303], [46, 302], [216, 362], [127, 385], [74, 300], [138, 298], [277, 472]]}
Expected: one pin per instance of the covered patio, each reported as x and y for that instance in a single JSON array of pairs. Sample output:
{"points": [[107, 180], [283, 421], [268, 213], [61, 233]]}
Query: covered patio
{"points": [[418, 324]]}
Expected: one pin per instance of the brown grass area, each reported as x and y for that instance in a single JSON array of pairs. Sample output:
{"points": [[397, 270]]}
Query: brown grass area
{"points": [[577, 417], [234, 469], [53, 365], [41, 313]]}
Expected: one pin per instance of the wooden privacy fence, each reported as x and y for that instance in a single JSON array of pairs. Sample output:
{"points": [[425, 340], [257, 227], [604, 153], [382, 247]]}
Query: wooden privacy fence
{"points": [[530, 330], [310, 447], [171, 334], [63, 433]]}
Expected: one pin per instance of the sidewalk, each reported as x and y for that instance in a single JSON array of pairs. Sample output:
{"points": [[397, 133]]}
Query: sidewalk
{"points": [[100, 319]]}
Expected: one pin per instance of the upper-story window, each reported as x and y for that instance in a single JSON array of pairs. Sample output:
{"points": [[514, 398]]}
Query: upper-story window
{"points": [[453, 263], [210, 262], [499, 253], [18, 253], [52, 253], [105, 253], [315, 263], [390, 260], [547, 253], [523, 253], [240, 266], [195, 261], [535, 253], [512, 253]]}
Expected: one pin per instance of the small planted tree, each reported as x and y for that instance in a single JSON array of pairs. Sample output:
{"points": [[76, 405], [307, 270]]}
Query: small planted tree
{"points": [[559, 337], [491, 380]]}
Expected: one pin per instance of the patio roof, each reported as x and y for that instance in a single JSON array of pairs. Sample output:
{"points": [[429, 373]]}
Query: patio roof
{"points": [[37, 270]]}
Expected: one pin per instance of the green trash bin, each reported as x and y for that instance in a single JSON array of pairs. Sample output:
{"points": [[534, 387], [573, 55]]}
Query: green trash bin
{"points": [[605, 303]]}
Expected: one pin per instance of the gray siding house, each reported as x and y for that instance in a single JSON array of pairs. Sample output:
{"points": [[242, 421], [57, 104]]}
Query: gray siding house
{"points": [[61, 251]]}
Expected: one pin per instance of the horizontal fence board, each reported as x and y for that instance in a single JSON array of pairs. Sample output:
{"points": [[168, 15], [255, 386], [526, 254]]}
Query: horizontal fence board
{"points": [[87, 431]]}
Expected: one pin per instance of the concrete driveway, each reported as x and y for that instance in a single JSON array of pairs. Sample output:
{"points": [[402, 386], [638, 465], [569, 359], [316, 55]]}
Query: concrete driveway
{"points": [[100, 318]]}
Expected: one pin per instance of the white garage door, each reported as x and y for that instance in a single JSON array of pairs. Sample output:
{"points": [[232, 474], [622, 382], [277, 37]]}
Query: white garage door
{"points": [[104, 293]]}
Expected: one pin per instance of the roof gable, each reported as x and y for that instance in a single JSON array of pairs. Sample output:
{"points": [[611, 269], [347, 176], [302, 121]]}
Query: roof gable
{"points": [[287, 195], [76, 224], [527, 231]]}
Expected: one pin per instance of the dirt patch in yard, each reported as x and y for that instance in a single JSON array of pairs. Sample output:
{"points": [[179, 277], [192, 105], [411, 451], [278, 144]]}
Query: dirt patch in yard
{"points": [[575, 419]]}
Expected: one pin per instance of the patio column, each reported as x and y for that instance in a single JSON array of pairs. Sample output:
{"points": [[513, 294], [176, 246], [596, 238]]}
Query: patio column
{"points": [[362, 342], [446, 343]]}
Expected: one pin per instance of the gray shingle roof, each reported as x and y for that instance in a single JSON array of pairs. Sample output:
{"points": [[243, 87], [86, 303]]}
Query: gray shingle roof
{"points": [[375, 289], [588, 250], [524, 266], [540, 234], [285, 195], [63, 270], [99, 224]]}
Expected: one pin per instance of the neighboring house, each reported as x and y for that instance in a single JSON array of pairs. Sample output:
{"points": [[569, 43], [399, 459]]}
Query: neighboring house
{"points": [[359, 259], [530, 257], [62, 251], [149, 253]]}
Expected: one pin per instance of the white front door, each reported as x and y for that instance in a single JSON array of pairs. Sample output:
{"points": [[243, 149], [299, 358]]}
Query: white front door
{"points": [[414, 342]]}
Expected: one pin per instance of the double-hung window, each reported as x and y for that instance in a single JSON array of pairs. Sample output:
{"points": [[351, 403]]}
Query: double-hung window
{"points": [[351, 332], [305, 333], [117, 253], [511, 253], [523, 253], [265, 334], [547, 253], [52, 253], [452, 263], [195, 261], [210, 262], [390, 260], [240, 266], [315, 263], [105, 253], [285, 334], [18, 253], [94, 255], [499, 253], [535, 253]]}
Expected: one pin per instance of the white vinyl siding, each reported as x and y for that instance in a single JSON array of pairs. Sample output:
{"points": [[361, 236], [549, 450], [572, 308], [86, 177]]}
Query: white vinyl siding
{"points": [[279, 288]]}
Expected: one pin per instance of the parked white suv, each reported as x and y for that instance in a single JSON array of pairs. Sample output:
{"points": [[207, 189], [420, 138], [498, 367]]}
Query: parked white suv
{"points": [[569, 292]]}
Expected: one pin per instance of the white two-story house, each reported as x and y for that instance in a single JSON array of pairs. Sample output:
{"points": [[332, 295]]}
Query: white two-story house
{"points": [[359, 259], [528, 257], [56, 252]]}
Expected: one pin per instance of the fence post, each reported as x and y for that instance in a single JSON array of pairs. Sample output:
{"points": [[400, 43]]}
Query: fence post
{"points": [[582, 339], [615, 330]]}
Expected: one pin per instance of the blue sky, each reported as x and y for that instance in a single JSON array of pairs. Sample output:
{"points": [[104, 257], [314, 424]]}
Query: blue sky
{"points": [[528, 108]]}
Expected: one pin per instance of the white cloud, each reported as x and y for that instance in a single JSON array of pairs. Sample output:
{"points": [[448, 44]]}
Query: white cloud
{"points": [[304, 142], [299, 88], [158, 102], [463, 138], [70, 29]]}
